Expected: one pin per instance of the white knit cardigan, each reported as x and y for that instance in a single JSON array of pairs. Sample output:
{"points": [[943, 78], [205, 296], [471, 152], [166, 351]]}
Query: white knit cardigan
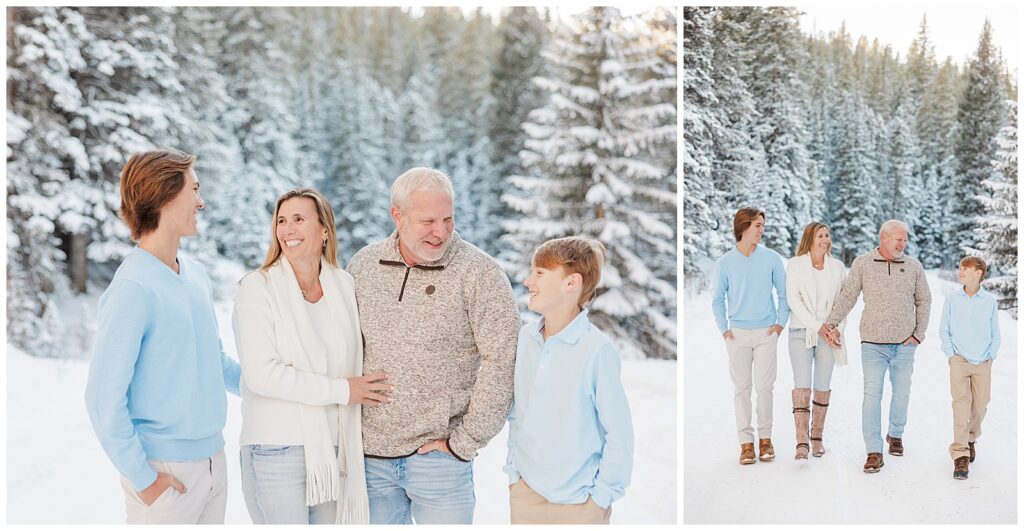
{"points": [[801, 294], [285, 376]]}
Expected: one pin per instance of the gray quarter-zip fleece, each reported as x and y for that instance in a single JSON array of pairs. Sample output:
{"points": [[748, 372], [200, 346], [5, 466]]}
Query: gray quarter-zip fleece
{"points": [[896, 298], [445, 333]]}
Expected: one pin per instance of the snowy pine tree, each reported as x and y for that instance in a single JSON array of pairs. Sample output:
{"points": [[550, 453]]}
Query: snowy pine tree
{"points": [[205, 100], [699, 122], [937, 130], [589, 169], [777, 54], [980, 117], [465, 100], [44, 56], [260, 118], [853, 206], [738, 164], [523, 34], [998, 223]]}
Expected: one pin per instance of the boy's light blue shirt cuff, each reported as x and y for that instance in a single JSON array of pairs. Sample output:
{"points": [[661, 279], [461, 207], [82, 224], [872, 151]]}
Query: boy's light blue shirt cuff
{"points": [[605, 495], [143, 478]]}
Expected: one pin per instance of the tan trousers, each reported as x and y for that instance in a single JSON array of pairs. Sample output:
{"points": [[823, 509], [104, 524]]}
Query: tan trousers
{"points": [[971, 387], [528, 507], [204, 501], [752, 356]]}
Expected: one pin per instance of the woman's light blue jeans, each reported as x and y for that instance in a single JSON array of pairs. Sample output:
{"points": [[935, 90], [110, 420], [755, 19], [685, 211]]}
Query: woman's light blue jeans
{"points": [[817, 359], [430, 488], [274, 486]]}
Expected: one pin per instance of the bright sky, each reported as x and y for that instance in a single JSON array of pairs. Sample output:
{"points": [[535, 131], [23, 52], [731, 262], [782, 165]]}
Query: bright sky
{"points": [[953, 30]]}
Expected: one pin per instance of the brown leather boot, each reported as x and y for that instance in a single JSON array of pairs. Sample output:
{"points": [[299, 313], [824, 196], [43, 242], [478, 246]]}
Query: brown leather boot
{"points": [[766, 450], [747, 456], [960, 467], [895, 445], [821, 399], [801, 416], [874, 463], [970, 446]]}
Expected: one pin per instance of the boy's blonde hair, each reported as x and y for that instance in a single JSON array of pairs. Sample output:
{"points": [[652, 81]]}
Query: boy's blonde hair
{"points": [[976, 262], [576, 254]]}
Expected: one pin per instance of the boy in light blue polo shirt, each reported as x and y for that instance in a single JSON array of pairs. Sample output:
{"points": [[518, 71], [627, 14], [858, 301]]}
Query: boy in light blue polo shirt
{"points": [[969, 334], [570, 442]]}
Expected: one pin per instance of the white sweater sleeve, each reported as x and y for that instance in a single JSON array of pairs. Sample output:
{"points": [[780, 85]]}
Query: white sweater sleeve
{"points": [[797, 303], [263, 372]]}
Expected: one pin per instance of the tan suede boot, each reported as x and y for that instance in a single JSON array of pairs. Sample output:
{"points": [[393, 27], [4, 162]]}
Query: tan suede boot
{"points": [[802, 415], [821, 399]]}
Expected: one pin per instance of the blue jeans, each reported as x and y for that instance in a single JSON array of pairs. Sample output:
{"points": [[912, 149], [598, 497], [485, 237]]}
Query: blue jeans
{"points": [[876, 359], [803, 358], [432, 488], [274, 486]]}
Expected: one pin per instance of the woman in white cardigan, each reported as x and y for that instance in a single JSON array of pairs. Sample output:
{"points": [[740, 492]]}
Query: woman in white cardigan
{"points": [[813, 280], [297, 332]]}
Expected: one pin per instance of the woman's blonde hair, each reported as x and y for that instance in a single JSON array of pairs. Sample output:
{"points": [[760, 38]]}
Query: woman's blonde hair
{"points": [[810, 231], [326, 218]]}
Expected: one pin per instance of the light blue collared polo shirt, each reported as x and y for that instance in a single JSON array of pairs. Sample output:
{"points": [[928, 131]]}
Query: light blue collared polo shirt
{"points": [[570, 430], [970, 326]]}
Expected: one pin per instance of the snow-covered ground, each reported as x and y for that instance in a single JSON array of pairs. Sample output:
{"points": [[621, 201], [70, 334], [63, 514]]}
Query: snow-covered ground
{"points": [[53, 455], [833, 489]]}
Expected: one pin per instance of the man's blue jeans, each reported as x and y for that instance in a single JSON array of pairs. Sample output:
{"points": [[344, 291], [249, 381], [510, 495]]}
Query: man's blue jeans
{"points": [[432, 488], [876, 359]]}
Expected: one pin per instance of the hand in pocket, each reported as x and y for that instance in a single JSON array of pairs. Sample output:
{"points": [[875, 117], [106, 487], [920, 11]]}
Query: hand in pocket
{"points": [[163, 482]]}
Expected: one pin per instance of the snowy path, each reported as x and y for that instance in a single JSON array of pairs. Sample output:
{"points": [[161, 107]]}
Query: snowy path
{"points": [[915, 488], [53, 455]]}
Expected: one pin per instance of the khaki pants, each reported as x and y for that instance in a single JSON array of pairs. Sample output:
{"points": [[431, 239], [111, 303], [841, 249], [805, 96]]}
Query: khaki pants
{"points": [[971, 387], [528, 507], [752, 357], [204, 501]]}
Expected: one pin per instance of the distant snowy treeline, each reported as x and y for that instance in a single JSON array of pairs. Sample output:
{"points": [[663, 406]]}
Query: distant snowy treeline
{"points": [[547, 128], [809, 127]]}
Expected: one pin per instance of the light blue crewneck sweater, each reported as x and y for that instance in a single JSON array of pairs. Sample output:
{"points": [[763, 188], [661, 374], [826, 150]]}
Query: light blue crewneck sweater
{"points": [[158, 376], [746, 282]]}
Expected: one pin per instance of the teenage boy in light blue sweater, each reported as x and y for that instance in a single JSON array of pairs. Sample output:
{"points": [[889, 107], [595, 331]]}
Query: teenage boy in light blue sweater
{"points": [[969, 335], [570, 442], [750, 322], [157, 382]]}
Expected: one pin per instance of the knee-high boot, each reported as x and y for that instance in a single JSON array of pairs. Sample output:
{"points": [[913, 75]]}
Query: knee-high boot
{"points": [[821, 399], [801, 415]]}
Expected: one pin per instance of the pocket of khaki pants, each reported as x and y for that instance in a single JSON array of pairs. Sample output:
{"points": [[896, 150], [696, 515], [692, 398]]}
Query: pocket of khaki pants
{"points": [[167, 494], [165, 467]]}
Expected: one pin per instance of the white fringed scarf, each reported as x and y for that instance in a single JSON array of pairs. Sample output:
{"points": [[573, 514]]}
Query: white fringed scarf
{"points": [[327, 478]]}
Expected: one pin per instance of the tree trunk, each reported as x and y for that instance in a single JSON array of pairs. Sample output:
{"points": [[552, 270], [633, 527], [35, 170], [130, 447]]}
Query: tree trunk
{"points": [[78, 262]]}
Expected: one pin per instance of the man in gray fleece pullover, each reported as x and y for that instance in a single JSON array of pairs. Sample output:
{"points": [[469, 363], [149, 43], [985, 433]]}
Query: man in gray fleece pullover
{"points": [[896, 307], [439, 318]]}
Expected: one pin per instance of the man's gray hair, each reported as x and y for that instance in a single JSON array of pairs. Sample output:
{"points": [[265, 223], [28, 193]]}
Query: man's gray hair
{"points": [[419, 180], [890, 225]]}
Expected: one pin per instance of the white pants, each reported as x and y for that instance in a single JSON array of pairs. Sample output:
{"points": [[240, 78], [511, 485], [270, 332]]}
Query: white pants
{"points": [[204, 501], [752, 356]]}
